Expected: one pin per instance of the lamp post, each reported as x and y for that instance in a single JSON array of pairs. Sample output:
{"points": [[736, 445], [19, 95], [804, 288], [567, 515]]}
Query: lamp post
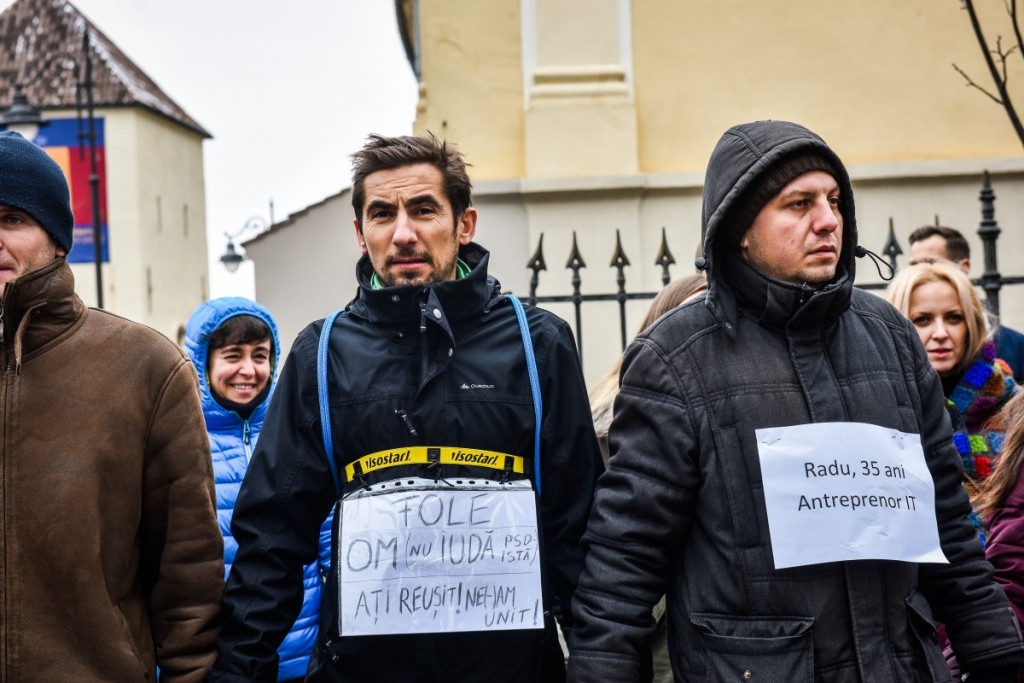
{"points": [[231, 258], [23, 117]]}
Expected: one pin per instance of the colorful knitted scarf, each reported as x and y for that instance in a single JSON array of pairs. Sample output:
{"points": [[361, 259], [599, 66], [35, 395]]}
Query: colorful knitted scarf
{"points": [[981, 392]]}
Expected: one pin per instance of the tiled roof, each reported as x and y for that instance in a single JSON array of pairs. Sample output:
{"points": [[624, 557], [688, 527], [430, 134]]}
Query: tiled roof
{"points": [[32, 32]]}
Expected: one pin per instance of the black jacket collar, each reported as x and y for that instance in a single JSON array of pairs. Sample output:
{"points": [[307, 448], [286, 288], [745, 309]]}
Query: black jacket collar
{"points": [[457, 300], [779, 305]]}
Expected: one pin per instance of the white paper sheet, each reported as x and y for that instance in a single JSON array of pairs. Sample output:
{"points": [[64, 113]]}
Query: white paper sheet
{"points": [[847, 491], [422, 559]]}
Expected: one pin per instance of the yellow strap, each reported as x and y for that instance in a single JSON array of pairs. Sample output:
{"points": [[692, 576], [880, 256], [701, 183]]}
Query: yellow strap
{"points": [[424, 455]]}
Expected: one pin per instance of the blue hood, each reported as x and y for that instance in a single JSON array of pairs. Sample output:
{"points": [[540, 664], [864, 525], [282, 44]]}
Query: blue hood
{"points": [[207, 318]]}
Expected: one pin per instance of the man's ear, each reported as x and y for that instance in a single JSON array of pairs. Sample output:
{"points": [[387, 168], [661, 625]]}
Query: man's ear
{"points": [[466, 226], [359, 236], [965, 265]]}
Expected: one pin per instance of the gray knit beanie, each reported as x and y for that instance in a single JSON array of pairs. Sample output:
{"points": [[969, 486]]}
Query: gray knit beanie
{"points": [[769, 184], [33, 182]]}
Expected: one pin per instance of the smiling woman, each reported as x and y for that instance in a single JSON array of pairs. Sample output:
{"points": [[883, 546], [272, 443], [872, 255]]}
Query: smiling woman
{"points": [[239, 372], [236, 341]]}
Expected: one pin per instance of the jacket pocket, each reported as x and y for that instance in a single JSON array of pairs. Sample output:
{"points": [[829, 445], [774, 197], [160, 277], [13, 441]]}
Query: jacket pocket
{"points": [[762, 649], [130, 642], [924, 637]]}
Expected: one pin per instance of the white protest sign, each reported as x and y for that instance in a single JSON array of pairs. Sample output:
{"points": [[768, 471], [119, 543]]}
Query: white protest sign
{"points": [[426, 558], [839, 491]]}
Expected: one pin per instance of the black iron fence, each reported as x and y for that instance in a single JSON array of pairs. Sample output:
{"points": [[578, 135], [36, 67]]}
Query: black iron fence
{"points": [[991, 281]]}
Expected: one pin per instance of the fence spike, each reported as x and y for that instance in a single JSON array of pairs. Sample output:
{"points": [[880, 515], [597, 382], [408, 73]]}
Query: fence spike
{"points": [[536, 264], [619, 262], [575, 261], [892, 246], [619, 258], [664, 258]]}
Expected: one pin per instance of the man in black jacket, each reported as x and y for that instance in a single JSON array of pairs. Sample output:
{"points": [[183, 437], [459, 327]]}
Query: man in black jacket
{"points": [[461, 449], [782, 464]]}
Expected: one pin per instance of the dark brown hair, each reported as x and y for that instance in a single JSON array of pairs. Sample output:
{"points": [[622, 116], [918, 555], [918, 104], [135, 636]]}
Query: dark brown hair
{"points": [[239, 329], [382, 153], [957, 248]]}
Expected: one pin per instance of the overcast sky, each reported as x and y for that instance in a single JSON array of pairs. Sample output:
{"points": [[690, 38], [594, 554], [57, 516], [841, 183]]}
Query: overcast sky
{"points": [[289, 89]]}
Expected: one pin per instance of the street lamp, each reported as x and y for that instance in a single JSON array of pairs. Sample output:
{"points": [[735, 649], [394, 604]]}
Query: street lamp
{"points": [[231, 258], [21, 117], [24, 118]]}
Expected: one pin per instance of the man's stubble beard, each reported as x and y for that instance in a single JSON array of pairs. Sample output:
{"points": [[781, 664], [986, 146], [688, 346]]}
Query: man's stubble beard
{"points": [[436, 274]]}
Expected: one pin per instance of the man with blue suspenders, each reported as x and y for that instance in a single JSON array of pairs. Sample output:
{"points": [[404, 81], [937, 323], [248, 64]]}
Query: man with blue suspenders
{"points": [[449, 427]]}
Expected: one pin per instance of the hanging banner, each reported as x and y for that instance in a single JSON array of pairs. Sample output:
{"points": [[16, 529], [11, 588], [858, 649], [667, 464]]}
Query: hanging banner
{"points": [[67, 143]]}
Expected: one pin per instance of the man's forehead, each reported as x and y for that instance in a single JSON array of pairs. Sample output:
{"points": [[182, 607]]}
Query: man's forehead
{"points": [[933, 247], [416, 177]]}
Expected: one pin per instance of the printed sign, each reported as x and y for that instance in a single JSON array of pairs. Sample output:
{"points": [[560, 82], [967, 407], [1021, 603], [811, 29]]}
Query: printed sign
{"points": [[420, 557], [840, 491]]}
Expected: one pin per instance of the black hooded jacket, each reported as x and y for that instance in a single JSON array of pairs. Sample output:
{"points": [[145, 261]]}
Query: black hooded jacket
{"points": [[682, 508], [446, 361]]}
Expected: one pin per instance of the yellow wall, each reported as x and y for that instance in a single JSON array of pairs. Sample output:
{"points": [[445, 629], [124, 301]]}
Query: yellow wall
{"points": [[625, 100], [471, 89], [873, 77]]}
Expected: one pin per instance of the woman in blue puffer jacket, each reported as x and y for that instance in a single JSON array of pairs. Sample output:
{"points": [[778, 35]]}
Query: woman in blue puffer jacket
{"points": [[234, 346]]}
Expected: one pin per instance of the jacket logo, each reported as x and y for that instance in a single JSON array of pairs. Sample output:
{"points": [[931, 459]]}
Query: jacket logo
{"points": [[374, 462], [476, 386], [475, 458]]}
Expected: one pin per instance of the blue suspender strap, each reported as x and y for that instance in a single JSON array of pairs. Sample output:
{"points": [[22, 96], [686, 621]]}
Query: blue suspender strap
{"points": [[531, 367], [325, 404], [325, 413]]}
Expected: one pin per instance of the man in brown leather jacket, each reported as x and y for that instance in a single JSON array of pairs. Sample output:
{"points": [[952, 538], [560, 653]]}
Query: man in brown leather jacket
{"points": [[110, 556]]}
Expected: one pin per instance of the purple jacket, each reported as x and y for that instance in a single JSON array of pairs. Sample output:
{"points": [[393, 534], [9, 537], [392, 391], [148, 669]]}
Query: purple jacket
{"points": [[1005, 549]]}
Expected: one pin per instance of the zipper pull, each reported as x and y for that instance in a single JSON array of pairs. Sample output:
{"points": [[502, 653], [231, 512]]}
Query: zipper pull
{"points": [[423, 314], [408, 423], [246, 440], [1, 322]]}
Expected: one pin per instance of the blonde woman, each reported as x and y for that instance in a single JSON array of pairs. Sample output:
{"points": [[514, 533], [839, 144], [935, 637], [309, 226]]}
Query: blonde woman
{"points": [[944, 307]]}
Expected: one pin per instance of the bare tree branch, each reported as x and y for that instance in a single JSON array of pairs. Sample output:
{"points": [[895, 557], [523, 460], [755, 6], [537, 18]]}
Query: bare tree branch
{"points": [[998, 80], [1015, 23], [971, 83], [1002, 61]]}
